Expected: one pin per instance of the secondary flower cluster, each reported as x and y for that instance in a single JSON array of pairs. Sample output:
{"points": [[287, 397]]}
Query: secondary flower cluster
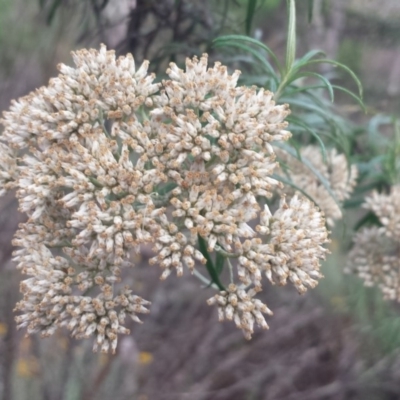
{"points": [[110, 160], [306, 175], [375, 256]]}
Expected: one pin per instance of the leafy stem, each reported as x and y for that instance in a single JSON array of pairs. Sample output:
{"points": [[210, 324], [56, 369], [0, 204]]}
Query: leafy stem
{"points": [[291, 37]]}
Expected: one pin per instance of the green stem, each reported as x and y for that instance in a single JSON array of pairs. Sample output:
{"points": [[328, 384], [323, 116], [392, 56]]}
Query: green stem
{"points": [[230, 270], [291, 37], [60, 245], [281, 86], [290, 48], [206, 281], [220, 250]]}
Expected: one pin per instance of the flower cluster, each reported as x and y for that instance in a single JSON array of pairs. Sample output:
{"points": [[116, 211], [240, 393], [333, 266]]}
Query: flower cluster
{"points": [[335, 170], [238, 305], [375, 256], [109, 161]]}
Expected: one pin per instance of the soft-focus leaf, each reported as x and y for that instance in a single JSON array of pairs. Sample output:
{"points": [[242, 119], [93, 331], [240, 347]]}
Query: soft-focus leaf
{"points": [[309, 107], [302, 62], [326, 82], [167, 188], [375, 138], [297, 121], [267, 66], [219, 262], [288, 182], [342, 66], [251, 8], [245, 39], [292, 91], [209, 264], [351, 94], [369, 219]]}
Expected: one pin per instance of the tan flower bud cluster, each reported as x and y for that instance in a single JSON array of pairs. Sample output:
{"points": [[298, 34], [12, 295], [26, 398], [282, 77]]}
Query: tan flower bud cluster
{"points": [[375, 256], [336, 171], [387, 209], [237, 305], [109, 161], [8, 168]]}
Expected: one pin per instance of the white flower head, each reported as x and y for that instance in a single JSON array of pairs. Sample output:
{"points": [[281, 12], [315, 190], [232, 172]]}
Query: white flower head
{"points": [[238, 305], [110, 161], [298, 234], [387, 209], [100, 87], [375, 258], [375, 254], [336, 171]]}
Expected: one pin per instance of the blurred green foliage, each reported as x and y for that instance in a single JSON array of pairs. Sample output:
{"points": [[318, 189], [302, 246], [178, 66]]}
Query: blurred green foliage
{"points": [[350, 52]]}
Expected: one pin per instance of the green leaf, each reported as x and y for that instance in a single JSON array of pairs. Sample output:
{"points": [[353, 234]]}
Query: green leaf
{"points": [[302, 62], [293, 185], [375, 137], [351, 94], [251, 7], [219, 262], [209, 264], [290, 92], [264, 63], [309, 107], [296, 146], [167, 188], [342, 66], [326, 82], [299, 122], [245, 39], [369, 219]]}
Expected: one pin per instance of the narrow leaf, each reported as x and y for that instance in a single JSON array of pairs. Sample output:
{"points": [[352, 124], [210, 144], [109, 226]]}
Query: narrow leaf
{"points": [[242, 38], [251, 7], [291, 92], [351, 94], [326, 82], [307, 57], [209, 264], [219, 263], [293, 185], [267, 66], [369, 219], [299, 122], [167, 188], [342, 66]]}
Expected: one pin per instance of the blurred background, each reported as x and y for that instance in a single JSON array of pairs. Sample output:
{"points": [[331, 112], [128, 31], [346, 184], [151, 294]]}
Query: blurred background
{"points": [[340, 341]]}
